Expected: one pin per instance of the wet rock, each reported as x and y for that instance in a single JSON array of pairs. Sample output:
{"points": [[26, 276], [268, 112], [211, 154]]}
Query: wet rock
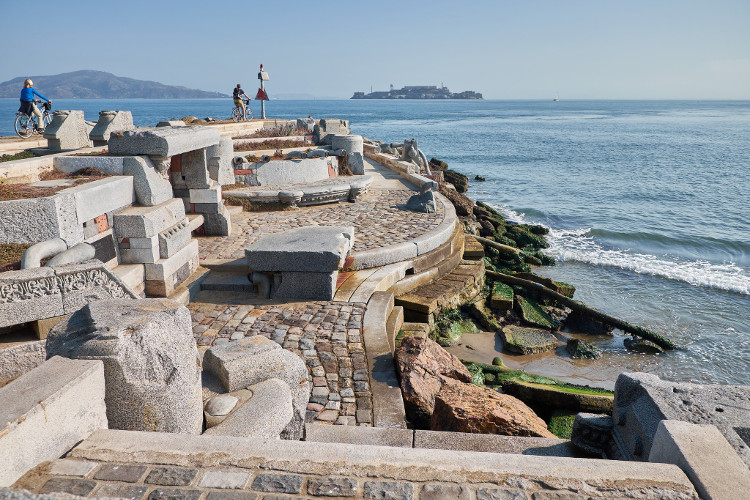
{"points": [[469, 408], [580, 349], [464, 206], [641, 346], [425, 367], [479, 178], [532, 313], [501, 297], [460, 181], [487, 228], [557, 286], [524, 340], [579, 322]]}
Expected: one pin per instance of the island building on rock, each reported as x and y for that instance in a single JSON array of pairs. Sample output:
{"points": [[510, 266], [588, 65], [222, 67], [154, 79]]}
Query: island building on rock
{"points": [[419, 92]]}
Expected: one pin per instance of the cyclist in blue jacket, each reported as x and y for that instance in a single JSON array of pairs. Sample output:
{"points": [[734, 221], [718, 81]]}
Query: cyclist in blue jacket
{"points": [[27, 103]]}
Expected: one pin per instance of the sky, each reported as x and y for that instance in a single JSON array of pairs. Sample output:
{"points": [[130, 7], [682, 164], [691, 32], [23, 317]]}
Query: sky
{"points": [[531, 49]]}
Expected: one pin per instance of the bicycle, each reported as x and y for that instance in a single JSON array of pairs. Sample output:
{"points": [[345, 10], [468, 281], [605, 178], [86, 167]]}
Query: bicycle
{"points": [[25, 125], [237, 111]]}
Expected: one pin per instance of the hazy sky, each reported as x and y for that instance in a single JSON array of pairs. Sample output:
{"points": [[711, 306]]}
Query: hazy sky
{"points": [[592, 49]]}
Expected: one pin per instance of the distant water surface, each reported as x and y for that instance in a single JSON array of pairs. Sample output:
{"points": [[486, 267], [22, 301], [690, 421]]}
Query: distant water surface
{"points": [[647, 202]]}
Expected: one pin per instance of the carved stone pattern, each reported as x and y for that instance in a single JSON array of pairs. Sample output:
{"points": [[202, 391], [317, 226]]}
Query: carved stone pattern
{"points": [[95, 278], [27, 290]]}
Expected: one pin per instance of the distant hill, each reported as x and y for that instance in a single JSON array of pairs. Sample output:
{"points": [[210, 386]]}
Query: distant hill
{"points": [[89, 84]]}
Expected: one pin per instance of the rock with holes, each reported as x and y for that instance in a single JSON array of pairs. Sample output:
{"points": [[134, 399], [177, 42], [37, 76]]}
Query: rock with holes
{"points": [[151, 365]]}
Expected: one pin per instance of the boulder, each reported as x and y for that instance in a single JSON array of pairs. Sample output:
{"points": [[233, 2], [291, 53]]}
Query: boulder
{"points": [[463, 407], [425, 367], [460, 181], [252, 360], [580, 349], [422, 202], [151, 365], [525, 340], [464, 206], [577, 321]]}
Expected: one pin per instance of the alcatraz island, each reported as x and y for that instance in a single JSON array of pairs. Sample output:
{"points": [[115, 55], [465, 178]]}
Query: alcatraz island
{"points": [[419, 92]]}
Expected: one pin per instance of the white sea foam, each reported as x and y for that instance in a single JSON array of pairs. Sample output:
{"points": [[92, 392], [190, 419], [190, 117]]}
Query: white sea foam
{"points": [[577, 245]]}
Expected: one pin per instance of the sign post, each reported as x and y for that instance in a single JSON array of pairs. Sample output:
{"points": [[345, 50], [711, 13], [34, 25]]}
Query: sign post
{"points": [[262, 96]]}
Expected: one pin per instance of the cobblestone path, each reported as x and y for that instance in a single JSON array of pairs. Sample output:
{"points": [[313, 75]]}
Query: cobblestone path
{"points": [[327, 335], [379, 219]]}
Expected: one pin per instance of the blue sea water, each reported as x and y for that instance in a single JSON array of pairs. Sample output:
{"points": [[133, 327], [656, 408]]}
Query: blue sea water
{"points": [[646, 201]]}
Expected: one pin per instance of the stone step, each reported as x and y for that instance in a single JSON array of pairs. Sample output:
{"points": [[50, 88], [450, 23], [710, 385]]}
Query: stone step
{"points": [[234, 209], [223, 281], [195, 220], [393, 325], [473, 250], [133, 275], [426, 302]]}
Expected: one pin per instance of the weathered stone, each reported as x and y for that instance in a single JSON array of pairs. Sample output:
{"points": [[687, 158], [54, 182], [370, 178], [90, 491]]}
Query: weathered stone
{"points": [[580, 349], [425, 367], [502, 295], [40, 219], [525, 340], [170, 476], [69, 485], [99, 197], [150, 187], [174, 493], [592, 433], [110, 165], [422, 202], [123, 473], [150, 361], [328, 127], [390, 490], [224, 479], [643, 400], [46, 411], [332, 487], [28, 295], [110, 121], [144, 222], [464, 206], [221, 169], [255, 359], [265, 415], [16, 360], [210, 195], [88, 282], [500, 494], [174, 239], [278, 483], [304, 285], [125, 491], [67, 131], [439, 491], [220, 405], [78, 468], [534, 314], [312, 249], [217, 224], [462, 407], [164, 142], [195, 170]]}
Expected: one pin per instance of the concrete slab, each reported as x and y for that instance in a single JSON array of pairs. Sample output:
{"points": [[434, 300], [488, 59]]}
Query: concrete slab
{"points": [[308, 249], [370, 436], [164, 141]]}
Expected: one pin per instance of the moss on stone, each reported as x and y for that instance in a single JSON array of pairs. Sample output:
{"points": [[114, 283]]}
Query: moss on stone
{"points": [[531, 312], [450, 326], [18, 156], [561, 424]]}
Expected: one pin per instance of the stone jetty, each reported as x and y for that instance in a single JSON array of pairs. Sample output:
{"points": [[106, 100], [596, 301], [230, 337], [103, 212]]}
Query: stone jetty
{"points": [[182, 319]]}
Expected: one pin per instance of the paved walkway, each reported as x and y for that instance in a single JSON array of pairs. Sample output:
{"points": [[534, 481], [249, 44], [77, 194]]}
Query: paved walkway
{"points": [[327, 335]]}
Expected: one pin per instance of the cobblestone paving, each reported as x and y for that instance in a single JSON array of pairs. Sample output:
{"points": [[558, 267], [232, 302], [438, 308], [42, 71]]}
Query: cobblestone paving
{"points": [[155, 481], [379, 219], [327, 335]]}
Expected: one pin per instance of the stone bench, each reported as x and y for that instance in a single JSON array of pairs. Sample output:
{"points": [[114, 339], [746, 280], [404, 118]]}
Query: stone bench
{"points": [[333, 190], [303, 263]]}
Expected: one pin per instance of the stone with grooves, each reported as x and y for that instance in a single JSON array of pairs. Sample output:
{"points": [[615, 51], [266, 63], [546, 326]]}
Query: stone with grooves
{"points": [[265, 415], [150, 187], [253, 360], [524, 340], [312, 249], [151, 365], [425, 367], [461, 407], [163, 142]]}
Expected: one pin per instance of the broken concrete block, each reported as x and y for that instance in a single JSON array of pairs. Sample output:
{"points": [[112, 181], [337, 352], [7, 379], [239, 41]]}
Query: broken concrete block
{"points": [[309, 249], [47, 411], [151, 363], [144, 222]]}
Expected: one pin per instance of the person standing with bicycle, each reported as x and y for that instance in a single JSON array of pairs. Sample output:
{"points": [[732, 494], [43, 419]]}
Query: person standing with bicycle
{"points": [[238, 93], [28, 106]]}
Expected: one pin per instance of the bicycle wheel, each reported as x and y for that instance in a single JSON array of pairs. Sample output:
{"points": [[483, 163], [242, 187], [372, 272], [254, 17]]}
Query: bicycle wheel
{"points": [[236, 113], [24, 126], [248, 113], [47, 118]]}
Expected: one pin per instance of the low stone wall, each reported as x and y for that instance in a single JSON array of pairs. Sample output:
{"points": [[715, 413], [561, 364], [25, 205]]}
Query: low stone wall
{"points": [[285, 172]]}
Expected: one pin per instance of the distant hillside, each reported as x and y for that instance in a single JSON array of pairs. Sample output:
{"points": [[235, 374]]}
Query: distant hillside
{"points": [[88, 84]]}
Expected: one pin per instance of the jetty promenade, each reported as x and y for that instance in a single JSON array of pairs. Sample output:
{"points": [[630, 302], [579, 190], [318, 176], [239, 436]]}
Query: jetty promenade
{"points": [[216, 324]]}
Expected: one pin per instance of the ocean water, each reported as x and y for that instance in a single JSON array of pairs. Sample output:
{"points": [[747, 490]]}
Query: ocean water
{"points": [[647, 203]]}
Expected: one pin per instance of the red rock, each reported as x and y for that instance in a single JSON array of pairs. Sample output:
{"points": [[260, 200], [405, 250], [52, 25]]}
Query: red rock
{"points": [[461, 407], [464, 206], [424, 367]]}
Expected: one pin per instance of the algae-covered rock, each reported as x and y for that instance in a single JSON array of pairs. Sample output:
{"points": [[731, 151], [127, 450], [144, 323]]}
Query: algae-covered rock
{"points": [[532, 313], [580, 322], [460, 181], [450, 326], [480, 312], [550, 396], [580, 349], [556, 286], [523, 237], [525, 340], [641, 346], [502, 296]]}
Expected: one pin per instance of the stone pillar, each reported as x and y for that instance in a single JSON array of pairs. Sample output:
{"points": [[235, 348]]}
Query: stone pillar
{"points": [[67, 131], [110, 121]]}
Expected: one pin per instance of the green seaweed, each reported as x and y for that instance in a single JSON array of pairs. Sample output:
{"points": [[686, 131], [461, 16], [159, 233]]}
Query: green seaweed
{"points": [[18, 156], [532, 313], [450, 326], [561, 424]]}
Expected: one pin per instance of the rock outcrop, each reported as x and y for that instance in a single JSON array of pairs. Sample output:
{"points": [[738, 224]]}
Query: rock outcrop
{"points": [[463, 407], [425, 367]]}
